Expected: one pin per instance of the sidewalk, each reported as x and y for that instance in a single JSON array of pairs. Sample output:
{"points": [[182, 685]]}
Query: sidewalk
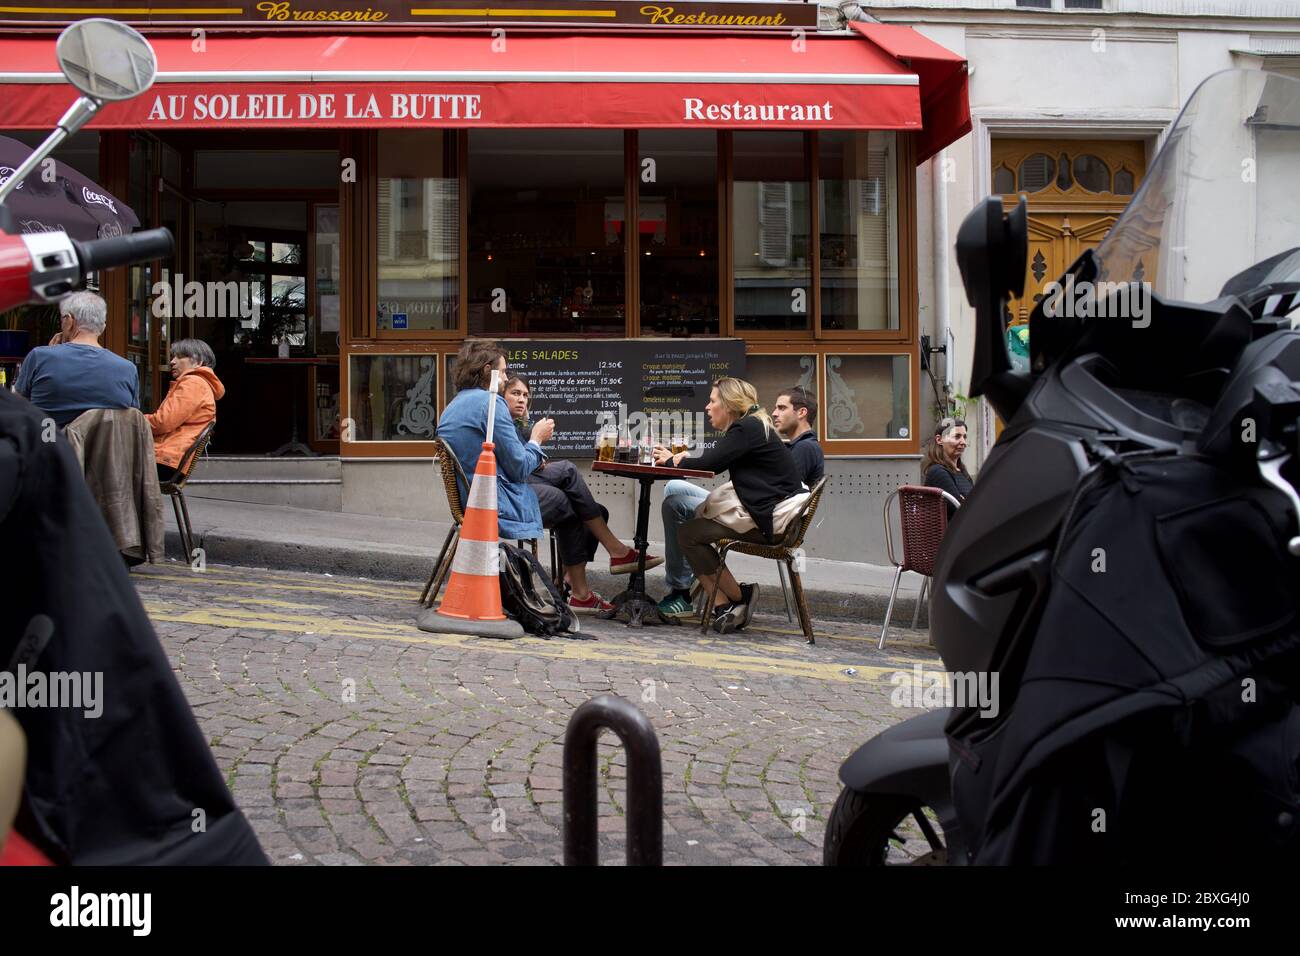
{"points": [[397, 549]]}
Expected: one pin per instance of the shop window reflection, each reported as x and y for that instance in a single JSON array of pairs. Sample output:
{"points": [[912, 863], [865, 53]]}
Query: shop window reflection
{"points": [[418, 215], [867, 396], [546, 232], [771, 240], [391, 397], [677, 231], [857, 210], [772, 375]]}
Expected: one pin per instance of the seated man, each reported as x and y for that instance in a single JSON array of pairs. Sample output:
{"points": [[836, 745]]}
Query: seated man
{"points": [[563, 495], [77, 374], [794, 415], [463, 427], [191, 403]]}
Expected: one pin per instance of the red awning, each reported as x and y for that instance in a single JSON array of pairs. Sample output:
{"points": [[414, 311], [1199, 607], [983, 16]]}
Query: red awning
{"points": [[461, 80], [945, 103]]}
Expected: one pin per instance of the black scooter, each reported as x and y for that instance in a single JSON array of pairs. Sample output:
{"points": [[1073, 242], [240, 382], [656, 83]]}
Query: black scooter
{"points": [[1174, 381]]}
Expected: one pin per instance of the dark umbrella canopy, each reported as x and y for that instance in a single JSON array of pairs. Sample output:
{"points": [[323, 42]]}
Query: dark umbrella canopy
{"points": [[71, 203]]}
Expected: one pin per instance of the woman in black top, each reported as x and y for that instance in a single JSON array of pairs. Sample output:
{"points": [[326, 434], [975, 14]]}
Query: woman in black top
{"points": [[942, 467], [764, 474]]}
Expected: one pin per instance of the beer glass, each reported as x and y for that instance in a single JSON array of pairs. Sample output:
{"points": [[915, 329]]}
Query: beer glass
{"points": [[606, 440]]}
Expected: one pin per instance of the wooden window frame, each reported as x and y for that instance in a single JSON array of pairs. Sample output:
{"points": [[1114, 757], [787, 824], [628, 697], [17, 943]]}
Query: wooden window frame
{"points": [[855, 447], [905, 242], [378, 449], [359, 288]]}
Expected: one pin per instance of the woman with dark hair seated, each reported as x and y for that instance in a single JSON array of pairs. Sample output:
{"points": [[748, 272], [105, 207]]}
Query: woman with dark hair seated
{"points": [[563, 494], [190, 405], [941, 465]]}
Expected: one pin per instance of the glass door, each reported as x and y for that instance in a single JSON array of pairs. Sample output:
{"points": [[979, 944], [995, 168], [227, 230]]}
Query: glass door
{"points": [[142, 330], [175, 212], [323, 322]]}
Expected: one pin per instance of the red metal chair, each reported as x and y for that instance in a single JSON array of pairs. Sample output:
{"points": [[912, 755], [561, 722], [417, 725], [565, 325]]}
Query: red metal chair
{"points": [[923, 517]]}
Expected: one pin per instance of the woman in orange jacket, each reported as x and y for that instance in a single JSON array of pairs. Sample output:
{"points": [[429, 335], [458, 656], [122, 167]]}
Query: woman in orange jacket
{"points": [[191, 403]]}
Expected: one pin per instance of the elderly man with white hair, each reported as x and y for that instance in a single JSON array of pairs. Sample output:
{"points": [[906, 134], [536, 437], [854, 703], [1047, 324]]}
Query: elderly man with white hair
{"points": [[78, 374]]}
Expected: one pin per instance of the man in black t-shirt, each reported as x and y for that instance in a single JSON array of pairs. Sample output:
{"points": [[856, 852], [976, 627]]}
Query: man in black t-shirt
{"points": [[795, 414]]}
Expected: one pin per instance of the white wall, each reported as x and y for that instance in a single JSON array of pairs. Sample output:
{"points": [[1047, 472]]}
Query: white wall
{"points": [[1054, 78]]}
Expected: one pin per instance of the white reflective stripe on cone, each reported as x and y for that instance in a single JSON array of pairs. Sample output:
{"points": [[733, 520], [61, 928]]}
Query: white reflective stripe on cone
{"points": [[477, 557], [483, 494]]}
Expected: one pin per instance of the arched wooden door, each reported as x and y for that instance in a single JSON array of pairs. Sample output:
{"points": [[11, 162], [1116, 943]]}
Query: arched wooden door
{"points": [[1076, 190]]}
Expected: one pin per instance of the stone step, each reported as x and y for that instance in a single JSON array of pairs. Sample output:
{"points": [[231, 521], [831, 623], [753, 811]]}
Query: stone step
{"points": [[260, 468], [298, 482]]}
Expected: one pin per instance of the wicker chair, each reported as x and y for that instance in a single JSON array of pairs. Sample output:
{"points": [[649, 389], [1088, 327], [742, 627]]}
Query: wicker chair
{"points": [[787, 551], [174, 487], [449, 467], [923, 516]]}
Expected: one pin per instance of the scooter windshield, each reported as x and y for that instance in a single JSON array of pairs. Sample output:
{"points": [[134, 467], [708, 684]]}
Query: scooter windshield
{"points": [[1222, 194]]}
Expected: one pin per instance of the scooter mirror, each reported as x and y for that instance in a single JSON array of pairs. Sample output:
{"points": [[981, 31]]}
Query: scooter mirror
{"points": [[106, 60], [992, 251]]}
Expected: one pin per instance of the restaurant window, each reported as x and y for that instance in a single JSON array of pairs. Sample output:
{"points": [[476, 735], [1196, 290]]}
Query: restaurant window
{"points": [[677, 179], [773, 375], [546, 232], [867, 397], [391, 397], [262, 169], [858, 216], [771, 227], [418, 212]]}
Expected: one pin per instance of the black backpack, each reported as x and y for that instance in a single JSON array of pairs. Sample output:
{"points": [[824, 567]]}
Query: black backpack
{"points": [[529, 596]]}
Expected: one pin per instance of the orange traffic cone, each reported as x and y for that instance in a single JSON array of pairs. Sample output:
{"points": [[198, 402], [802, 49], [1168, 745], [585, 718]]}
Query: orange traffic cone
{"points": [[472, 604]]}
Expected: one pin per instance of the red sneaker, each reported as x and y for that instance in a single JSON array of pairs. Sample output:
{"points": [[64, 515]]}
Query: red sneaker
{"points": [[593, 603], [627, 563]]}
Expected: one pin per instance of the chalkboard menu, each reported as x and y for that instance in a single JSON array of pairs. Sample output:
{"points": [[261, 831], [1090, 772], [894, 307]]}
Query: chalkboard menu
{"points": [[578, 381]]}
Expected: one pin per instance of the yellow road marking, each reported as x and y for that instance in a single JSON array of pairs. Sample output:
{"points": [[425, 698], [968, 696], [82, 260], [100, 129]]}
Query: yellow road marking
{"points": [[222, 577], [557, 650], [343, 587]]}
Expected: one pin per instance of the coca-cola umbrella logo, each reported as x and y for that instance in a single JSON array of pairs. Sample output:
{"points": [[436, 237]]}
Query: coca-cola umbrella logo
{"points": [[60, 194], [93, 198], [6, 173]]}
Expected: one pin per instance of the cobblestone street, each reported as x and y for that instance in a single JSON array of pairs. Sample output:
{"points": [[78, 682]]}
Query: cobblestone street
{"points": [[349, 736]]}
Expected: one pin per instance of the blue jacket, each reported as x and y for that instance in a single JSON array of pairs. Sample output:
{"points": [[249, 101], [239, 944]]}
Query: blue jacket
{"points": [[463, 426]]}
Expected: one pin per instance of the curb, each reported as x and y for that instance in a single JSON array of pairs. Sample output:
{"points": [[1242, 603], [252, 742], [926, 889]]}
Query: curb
{"points": [[865, 605]]}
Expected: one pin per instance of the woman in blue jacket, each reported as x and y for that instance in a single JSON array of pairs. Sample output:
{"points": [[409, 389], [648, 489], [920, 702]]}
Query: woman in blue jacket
{"points": [[463, 426]]}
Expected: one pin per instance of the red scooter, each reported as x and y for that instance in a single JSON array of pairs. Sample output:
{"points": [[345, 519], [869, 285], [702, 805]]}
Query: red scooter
{"points": [[126, 786], [44, 267]]}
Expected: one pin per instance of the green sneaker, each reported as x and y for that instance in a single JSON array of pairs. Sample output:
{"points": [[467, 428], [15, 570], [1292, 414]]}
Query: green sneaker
{"points": [[677, 607]]}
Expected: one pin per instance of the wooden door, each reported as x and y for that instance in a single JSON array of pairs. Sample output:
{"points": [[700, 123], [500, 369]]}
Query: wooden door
{"points": [[1076, 190]]}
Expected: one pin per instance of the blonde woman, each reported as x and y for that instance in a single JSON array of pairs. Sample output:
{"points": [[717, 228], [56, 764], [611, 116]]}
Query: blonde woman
{"points": [[763, 473]]}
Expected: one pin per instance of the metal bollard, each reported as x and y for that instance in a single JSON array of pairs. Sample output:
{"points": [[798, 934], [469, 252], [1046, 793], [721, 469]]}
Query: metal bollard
{"points": [[645, 782]]}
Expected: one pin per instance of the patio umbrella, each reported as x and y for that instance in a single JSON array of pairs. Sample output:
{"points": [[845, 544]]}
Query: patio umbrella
{"points": [[71, 203]]}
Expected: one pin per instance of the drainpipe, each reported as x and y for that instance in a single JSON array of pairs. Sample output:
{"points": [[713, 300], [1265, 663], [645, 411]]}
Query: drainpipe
{"points": [[939, 201]]}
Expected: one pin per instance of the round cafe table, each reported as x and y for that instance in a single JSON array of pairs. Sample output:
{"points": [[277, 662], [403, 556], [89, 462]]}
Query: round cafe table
{"points": [[633, 605]]}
